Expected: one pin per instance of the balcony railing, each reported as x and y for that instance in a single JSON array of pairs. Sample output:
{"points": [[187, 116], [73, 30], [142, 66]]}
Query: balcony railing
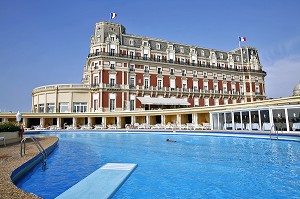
{"points": [[173, 62]]}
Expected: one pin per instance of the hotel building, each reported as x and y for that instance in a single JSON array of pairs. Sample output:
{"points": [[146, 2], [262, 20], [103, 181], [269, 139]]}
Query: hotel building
{"points": [[125, 72]]}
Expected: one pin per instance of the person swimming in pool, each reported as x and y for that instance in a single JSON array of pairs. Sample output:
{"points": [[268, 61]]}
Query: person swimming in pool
{"points": [[168, 140]]}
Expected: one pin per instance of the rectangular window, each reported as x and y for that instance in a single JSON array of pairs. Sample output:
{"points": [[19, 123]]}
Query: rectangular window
{"points": [[50, 107], [79, 107], [172, 84], [146, 68], [195, 85], [225, 87], [132, 105], [233, 88], [131, 67], [216, 86], [112, 104], [131, 83], [112, 52], [205, 86], [112, 82], [195, 74], [159, 84], [95, 104], [257, 90], [205, 74], [112, 66], [96, 66], [206, 102], [63, 107], [196, 101], [146, 84], [158, 57], [131, 55], [171, 71], [159, 70], [145, 56], [216, 101], [41, 108], [183, 72]]}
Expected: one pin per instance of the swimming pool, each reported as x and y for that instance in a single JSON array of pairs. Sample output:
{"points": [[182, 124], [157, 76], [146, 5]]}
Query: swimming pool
{"points": [[192, 167]]}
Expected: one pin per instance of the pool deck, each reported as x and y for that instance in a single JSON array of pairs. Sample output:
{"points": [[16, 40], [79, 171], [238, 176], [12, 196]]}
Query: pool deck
{"points": [[10, 160], [102, 183]]}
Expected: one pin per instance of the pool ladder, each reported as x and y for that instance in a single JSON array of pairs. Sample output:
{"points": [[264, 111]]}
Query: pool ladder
{"points": [[273, 129], [39, 146]]}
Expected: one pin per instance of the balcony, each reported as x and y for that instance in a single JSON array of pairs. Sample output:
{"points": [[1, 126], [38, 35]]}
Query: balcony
{"points": [[171, 61]]}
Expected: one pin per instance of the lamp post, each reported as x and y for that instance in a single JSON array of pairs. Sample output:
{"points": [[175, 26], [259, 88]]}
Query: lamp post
{"points": [[18, 117]]}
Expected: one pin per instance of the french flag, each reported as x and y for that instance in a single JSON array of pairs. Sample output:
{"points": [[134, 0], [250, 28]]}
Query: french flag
{"points": [[113, 15], [242, 38]]}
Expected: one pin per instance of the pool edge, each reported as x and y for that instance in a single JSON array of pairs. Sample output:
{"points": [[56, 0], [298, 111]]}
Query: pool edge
{"points": [[22, 170]]}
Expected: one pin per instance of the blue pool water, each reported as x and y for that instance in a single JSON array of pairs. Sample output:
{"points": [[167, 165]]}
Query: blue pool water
{"points": [[192, 167]]}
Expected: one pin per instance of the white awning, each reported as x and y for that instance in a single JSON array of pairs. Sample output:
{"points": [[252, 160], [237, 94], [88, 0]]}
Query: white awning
{"points": [[162, 101]]}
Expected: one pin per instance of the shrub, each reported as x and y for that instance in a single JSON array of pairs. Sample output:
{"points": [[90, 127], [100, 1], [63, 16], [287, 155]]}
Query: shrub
{"points": [[9, 127]]}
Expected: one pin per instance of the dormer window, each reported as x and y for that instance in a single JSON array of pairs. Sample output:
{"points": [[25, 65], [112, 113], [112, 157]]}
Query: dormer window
{"points": [[112, 38], [131, 42], [157, 46], [221, 56], [202, 53], [181, 50], [170, 47], [145, 43], [237, 58]]}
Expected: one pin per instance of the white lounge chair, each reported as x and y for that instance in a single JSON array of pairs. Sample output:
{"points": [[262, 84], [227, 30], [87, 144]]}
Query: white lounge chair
{"points": [[206, 126]]}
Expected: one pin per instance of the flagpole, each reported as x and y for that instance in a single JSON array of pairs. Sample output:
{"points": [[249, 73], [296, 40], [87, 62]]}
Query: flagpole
{"points": [[109, 17]]}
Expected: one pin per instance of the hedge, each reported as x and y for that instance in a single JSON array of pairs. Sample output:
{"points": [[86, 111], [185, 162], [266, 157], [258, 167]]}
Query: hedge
{"points": [[9, 127]]}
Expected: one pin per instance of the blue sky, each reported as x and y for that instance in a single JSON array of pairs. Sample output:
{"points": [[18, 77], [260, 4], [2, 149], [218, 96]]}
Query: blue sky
{"points": [[47, 42]]}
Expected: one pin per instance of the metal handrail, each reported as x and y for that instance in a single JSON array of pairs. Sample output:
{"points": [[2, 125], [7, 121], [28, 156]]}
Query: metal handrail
{"points": [[275, 132], [39, 146]]}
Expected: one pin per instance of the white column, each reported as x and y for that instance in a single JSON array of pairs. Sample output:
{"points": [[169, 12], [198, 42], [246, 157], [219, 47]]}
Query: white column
{"points": [[42, 122], [250, 121], [163, 119], [118, 121], [74, 121], [195, 118], [104, 121], [58, 122], [133, 119], [90, 123], [232, 120], [147, 119], [259, 120], [287, 120], [178, 120], [241, 120], [271, 118], [218, 120]]}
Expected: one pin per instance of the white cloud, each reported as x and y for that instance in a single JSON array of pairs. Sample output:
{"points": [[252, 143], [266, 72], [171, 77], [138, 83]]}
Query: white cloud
{"points": [[282, 75]]}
